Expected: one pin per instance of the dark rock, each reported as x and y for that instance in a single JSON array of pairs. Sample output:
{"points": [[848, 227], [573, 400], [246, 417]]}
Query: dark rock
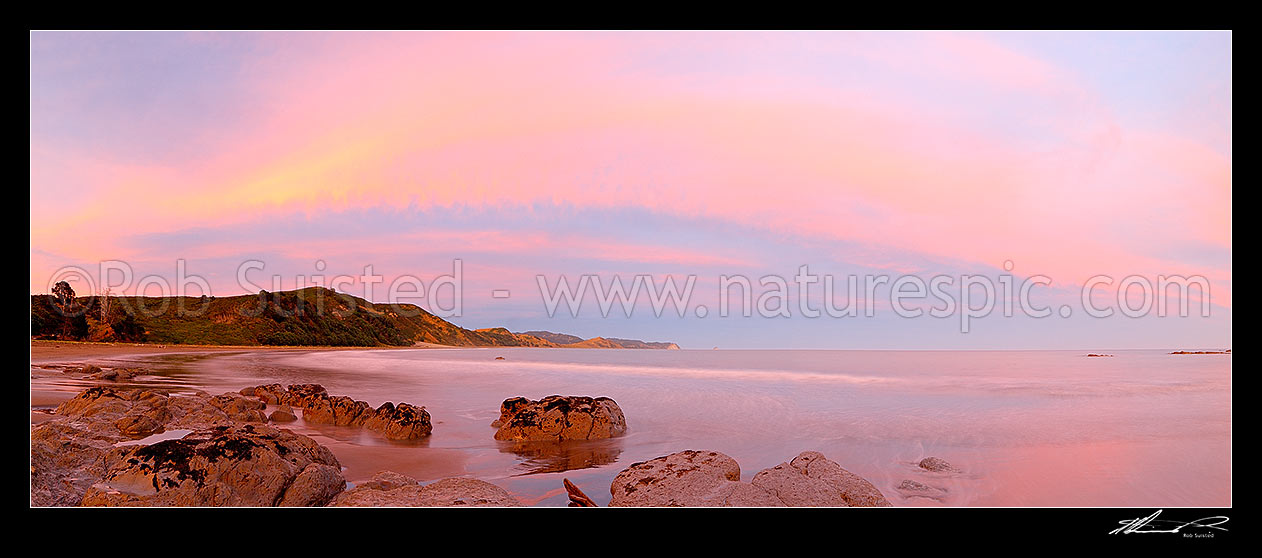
{"points": [[400, 422], [560, 418], [937, 465], [340, 411]]}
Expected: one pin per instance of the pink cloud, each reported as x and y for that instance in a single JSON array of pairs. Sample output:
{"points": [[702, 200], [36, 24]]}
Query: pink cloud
{"points": [[509, 120]]}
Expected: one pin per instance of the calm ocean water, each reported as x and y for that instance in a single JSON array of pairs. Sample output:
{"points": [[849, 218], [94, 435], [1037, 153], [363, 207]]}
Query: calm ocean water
{"points": [[1028, 428]]}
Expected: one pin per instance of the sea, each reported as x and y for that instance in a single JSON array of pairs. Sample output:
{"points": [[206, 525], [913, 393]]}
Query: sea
{"points": [[1138, 428]]}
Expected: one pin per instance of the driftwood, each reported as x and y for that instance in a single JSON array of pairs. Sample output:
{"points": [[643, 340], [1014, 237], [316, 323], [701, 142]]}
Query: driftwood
{"points": [[577, 498]]}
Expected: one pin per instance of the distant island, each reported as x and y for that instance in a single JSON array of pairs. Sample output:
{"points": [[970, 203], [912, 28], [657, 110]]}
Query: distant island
{"points": [[314, 316]]}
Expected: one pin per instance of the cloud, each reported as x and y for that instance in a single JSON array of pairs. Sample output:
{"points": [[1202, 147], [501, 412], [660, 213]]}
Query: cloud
{"points": [[947, 146]]}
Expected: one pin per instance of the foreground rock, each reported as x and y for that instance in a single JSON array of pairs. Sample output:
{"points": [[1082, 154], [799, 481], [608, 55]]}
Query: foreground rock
{"points": [[712, 479], [687, 478], [390, 489], [556, 418], [223, 466], [86, 443], [810, 479], [111, 446], [396, 422]]}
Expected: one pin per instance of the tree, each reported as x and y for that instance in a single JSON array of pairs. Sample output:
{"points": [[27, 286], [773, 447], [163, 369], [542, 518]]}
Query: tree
{"points": [[64, 293]]}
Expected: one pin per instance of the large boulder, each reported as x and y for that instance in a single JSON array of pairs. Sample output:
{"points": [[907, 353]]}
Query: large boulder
{"points": [[223, 466], [687, 478], [339, 410], [388, 489], [559, 417], [810, 479], [400, 422]]}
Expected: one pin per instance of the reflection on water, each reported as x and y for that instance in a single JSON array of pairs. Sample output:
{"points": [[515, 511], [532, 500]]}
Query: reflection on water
{"points": [[558, 457]]}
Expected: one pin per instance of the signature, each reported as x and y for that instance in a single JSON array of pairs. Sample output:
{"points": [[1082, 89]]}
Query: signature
{"points": [[1151, 524]]}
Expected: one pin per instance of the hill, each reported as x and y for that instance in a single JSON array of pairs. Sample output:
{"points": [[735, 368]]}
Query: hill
{"points": [[305, 317], [558, 338], [574, 341]]}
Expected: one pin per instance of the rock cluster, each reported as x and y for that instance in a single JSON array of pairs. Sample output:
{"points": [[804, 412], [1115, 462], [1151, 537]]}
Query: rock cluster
{"points": [[134, 447], [712, 479], [87, 441], [396, 422], [558, 418]]}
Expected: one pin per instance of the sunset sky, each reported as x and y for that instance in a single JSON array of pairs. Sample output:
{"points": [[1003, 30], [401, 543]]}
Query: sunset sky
{"points": [[713, 153]]}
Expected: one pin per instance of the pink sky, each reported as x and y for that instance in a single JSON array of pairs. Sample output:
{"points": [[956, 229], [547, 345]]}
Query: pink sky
{"points": [[970, 149]]}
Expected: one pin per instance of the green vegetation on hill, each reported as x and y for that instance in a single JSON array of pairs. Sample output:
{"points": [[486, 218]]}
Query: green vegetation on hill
{"points": [[305, 317]]}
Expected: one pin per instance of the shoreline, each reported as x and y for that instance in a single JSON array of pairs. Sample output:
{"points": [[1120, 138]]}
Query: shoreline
{"points": [[47, 351]]}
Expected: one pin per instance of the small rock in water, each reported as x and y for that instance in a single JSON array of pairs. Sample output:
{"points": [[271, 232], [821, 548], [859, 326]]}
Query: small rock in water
{"points": [[937, 465], [912, 489]]}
